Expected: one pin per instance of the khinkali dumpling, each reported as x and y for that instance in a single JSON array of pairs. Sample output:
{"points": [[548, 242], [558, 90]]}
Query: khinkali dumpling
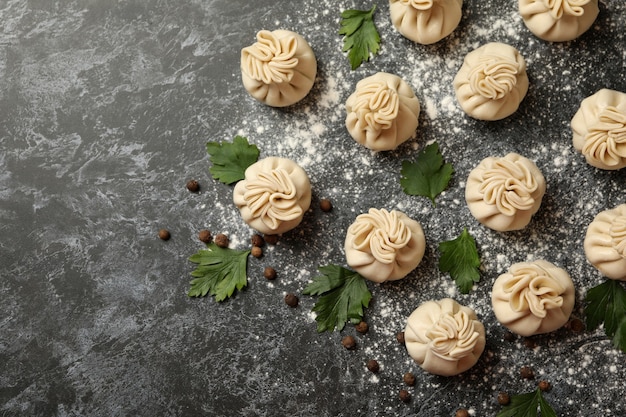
{"points": [[599, 129], [504, 193], [274, 195], [533, 298], [558, 20], [382, 112], [492, 82], [444, 337], [425, 21], [605, 242], [279, 69], [384, 246]]}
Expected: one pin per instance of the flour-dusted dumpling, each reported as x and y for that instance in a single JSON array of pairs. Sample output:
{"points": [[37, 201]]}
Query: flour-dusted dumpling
{"points": [[504, 193], [279, 69], [533, 298], [599, 129], [384, 246], [558, 20], [274, 195], [425, 21], [605, 242], [444, 337], [382, 112], [492, 82]]}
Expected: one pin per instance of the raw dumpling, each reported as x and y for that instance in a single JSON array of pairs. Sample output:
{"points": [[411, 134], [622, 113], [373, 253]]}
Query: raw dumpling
{"points": [[274, 195], [533, 298], [599, 129], [492, 82], [382, 112], [425, 21], [504, 193], [384, 246], [279, 69], [558, 20], [605, 243], [444, 337]]}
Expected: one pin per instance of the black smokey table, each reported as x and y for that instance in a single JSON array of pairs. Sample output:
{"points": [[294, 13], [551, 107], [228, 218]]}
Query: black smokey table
{"points": [[105, 110]]}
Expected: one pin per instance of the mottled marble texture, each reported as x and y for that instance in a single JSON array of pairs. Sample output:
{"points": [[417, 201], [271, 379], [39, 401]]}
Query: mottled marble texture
{"points": [[105, 109]]}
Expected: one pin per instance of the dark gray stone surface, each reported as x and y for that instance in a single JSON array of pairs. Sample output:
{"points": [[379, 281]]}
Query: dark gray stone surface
{"points": [[105, 109]]}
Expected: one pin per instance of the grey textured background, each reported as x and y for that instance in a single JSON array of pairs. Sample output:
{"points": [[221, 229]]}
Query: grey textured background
{"points": [[105, 109]]}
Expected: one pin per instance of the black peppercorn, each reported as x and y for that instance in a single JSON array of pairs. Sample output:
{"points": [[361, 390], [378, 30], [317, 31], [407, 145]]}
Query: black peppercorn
{"points": [[326, 205], [256, 251], [348, 342], [269, 273], [503, 398], [164, 234], [526, 372], [362, 327], [400, 337], [193, 186], [257, 240], [270, 239], [544, 386], [291, 300], [221, 240], [404, 395], [409, 379], [373, 365], [577, 325], [204, 236], [461, 412]]}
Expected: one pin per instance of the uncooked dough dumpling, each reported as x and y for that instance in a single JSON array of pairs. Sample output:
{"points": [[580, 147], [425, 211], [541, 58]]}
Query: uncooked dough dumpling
{"points": [[605, 243], [279, 69], [384, 246], [444, 337], [599, 129], [492, 82], [533, 298], [504, 193], [558, 20], [274, 195], [425, 21], [382, 112]]}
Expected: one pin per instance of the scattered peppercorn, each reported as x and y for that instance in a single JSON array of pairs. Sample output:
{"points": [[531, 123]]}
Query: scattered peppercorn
{"points": [[291, 300], [577, 325], [269, 273], [409, 379], [204, 236], [461, 412], [256, 251], [193, 186], [362, 327], [164, 234], [527, 373], [400, 337], [257, 240], [503, 398], [373, 365], [270, 239], [509, 337], [544, 386], [221, 240], [530, 343], [326, 205], [404, 395], [348, 342]]}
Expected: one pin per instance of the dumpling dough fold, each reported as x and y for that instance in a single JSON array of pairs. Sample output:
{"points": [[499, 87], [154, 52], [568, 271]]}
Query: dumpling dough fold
{"points": [[605, 243], [558, 20], [425, 21]]}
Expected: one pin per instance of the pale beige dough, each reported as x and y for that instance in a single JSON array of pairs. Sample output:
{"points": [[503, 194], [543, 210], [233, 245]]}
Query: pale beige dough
{"points": [[533, 298], [492, 82], [599, 129], [444, 337], [274, 196], [504, 193], [558, 20], [605, 243], [384, 245], [382, 112], [425, 21], [279, 69]]}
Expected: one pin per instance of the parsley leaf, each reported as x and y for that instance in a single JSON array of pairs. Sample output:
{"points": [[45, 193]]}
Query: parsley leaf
{"points": [[428, 176], [343, 294], [460, 258], [220, 271], [525, 405], [606, 303], [361, 36], [230, 160]]}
